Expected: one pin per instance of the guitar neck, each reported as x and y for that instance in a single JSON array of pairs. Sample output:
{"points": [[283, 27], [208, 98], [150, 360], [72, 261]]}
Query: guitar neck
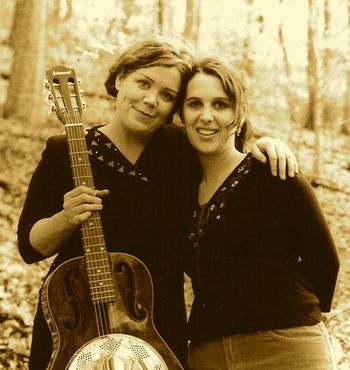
{"points": [[96, 256], [65, 96]]}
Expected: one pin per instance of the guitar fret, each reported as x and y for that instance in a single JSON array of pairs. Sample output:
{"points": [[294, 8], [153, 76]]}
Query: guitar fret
{"points": [[106, 260], [94, 241], [107, 299], [102, 290], [89, 247], [78, 152], [72, 139], [99, 242], [93, 236], [102, 279], [97, 273], [83, 177], [68, 125], [80, 165], [102, 295], [99, 269], [98, 284], [94, 229], [92, 218]]}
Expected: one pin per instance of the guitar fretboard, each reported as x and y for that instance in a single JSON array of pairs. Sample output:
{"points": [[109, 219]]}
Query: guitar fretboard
{"points": [[96, 256]]}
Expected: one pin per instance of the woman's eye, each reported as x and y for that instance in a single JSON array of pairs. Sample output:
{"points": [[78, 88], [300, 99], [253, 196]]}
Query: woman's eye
{"points": [[220, 104], [194, 104], [143, 83], [168, 96]]}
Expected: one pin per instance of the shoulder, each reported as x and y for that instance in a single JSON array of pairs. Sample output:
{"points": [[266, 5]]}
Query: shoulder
{"points": [[56, 149], [59, 141], [170, 139], [172, 133], [56, 142], [262, 174]]}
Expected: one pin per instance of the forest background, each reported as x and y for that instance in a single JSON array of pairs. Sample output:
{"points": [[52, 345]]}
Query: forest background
{"points": [[293, 54]]}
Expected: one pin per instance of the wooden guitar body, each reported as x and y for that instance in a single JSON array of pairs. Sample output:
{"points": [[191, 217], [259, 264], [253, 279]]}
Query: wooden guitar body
{"points": [[120, 337]]}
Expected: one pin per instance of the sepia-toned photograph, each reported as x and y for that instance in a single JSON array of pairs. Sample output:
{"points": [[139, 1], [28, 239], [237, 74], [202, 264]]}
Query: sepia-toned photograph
{"points": [[175, 185]]}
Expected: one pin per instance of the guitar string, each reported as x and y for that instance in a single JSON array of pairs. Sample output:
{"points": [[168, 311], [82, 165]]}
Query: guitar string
{"points": [[108, 318], [94, 242], [82, 173], [80, 176]]}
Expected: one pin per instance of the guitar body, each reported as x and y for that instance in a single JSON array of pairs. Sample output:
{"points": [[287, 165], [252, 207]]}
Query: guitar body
{"points": [[129, 337]]}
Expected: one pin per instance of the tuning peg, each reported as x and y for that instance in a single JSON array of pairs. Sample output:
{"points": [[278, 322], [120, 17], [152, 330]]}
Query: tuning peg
{"points": [[83, 104], [50, 97], [79, 81], [46, 85], [53, 108], [81, 91]]}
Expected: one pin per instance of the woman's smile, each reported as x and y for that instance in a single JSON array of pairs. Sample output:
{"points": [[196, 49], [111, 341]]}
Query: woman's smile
{"points": [[206, 131], [144, 113]]}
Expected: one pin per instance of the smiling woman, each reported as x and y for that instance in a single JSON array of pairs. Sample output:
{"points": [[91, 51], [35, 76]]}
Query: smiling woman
{"points": [[263, 269], [146, 99], [144, 167], [141, 163], [209, 115]]}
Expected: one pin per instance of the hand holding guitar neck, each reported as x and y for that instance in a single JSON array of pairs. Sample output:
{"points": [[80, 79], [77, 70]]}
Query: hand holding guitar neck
{"points": [[79, 204]]}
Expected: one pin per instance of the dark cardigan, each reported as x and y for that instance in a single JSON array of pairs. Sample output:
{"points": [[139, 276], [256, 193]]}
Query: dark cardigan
{"points": [[262, 255]]}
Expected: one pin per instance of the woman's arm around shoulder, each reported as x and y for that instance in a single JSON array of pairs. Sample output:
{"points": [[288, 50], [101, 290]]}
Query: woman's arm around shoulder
{"points": [[278, 154]]}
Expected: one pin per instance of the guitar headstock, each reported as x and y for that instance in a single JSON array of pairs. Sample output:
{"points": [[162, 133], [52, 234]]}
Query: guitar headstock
{"points": [[64, 94]]}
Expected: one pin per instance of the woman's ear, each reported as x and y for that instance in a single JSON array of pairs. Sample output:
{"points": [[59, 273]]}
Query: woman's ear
{"points": [[121, 76], [118, 81]]}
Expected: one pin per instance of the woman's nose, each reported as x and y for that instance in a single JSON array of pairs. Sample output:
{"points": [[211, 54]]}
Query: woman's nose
{"points": [[150, 99], [206, 115]]}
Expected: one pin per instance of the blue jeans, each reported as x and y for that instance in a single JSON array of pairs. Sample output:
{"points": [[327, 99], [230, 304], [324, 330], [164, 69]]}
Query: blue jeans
{"points": [[299, 348]]}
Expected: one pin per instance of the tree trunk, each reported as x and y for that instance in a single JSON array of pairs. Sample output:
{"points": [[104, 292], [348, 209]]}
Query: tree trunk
{"points": [[56, 10], [24, 98], [311, 71], [160, 16], [128, 7], [69, 12], [187, 33], [345, 126], [248, 63], [326, 106], [313, 121], [196, 22], [290, 96]]}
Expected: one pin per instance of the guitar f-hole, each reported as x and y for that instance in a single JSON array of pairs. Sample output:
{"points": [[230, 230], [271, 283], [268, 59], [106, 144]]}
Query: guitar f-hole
{"points": [[71, 280], [126, 277]]}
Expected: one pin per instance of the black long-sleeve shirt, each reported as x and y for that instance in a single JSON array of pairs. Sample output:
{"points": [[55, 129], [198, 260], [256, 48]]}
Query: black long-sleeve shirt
{"points": [[262, 255], [141, 216]]}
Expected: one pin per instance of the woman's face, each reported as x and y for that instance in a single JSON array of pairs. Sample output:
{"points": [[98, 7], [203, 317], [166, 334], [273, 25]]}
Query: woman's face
{"points": [[146, 97], [207, 113]]}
